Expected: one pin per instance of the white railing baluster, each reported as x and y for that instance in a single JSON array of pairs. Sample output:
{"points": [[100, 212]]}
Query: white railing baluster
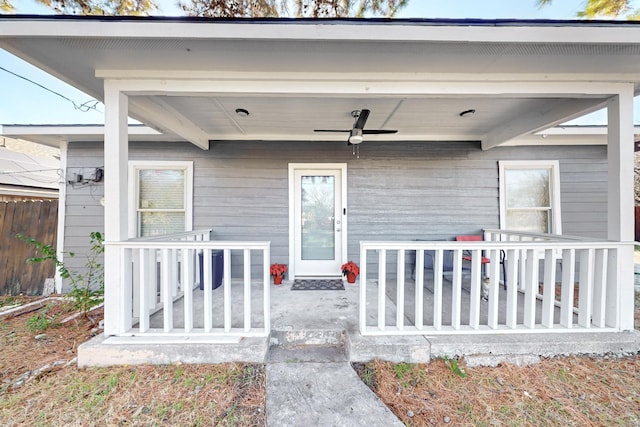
{"points": [[476, 273], [266, 288], [419, 291], [512, 288], [456, 289], [494, 288], [585, 288], [568, 286], [549, 288], [136, 266], [600, 287], [145, 286], [207, 280], [187, 286], [382, 285], [247, 289], [437, 289], [400, 291], [167, 290], [227, 289], [531, 289]]}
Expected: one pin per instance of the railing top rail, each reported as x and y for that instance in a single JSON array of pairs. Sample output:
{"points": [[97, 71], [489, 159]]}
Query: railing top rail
{"points": [[173, 236], [545, 236], [189, 244], [489, 245]]}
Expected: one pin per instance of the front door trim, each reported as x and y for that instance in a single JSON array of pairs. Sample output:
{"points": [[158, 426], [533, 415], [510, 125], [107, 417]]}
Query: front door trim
{"points": [[319, 167]]}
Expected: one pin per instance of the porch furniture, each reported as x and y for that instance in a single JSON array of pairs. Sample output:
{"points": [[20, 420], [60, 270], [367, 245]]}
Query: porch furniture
{"points": [[466, 256]]}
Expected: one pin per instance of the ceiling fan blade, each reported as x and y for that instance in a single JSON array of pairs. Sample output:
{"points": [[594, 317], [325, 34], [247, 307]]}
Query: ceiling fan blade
{"points": [[362, 119], [331, 130], [378, 131]]}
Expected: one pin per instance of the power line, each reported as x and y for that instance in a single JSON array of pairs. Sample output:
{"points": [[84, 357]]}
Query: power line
{"points": [[84, 107]]}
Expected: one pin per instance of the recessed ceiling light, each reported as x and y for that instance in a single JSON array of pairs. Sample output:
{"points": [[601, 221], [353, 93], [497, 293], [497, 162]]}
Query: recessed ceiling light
{"points": [[467, 113], [242, 112]]}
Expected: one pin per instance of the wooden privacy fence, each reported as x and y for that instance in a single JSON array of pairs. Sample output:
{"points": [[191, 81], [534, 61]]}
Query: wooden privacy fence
{"points": [[33, 218]]}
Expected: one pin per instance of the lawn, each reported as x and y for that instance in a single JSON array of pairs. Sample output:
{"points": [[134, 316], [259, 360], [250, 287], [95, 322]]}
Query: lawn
{"points": [[40, 384]]}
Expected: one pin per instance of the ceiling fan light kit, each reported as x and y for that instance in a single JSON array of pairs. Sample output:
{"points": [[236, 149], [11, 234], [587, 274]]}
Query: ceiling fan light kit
{"points": [[357, 131]]}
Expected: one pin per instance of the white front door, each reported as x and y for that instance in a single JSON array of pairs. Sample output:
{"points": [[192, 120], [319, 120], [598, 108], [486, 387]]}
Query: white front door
{"points": [[318, 219]]}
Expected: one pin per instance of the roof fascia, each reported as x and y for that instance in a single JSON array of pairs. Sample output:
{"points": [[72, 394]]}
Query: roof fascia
{"points": [[518, 32]]}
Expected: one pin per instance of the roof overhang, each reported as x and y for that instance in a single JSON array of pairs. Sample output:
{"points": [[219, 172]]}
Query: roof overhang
{"points": [[186, 77]]}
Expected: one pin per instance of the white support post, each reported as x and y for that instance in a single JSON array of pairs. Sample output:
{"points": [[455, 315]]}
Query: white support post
{"points": [[620, 156], [266, 285], [363, 290], [62, 209], [117, 301]]}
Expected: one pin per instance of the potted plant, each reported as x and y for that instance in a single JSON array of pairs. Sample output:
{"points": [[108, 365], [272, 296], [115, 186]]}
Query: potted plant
{"points": [[277, 272], [351, 270]]}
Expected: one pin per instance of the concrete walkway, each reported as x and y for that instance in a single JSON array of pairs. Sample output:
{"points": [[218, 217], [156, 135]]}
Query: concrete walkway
{"points": [[322, 394]]}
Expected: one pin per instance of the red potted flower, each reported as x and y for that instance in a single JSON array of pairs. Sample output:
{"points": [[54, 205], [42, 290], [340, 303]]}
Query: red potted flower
{"points": [[277, 272], [351, 270]]}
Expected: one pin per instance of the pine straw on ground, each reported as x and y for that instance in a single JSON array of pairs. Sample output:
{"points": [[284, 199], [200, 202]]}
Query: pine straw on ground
{"points": [[225, 394], [572, 391]]}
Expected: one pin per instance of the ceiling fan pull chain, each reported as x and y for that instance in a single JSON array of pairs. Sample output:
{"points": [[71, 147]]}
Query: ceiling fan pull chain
{"points": [[357, 151]]}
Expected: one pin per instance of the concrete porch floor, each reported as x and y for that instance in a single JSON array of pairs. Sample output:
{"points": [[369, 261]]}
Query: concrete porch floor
{"points": [[329, 319]]}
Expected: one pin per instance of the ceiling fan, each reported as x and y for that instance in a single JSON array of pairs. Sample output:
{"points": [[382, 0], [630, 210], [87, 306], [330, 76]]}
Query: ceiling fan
{"points": [[356, 132]]}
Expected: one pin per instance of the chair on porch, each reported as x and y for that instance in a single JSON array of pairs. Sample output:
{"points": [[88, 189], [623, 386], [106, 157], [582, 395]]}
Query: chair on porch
{"points": [[466, 256]]}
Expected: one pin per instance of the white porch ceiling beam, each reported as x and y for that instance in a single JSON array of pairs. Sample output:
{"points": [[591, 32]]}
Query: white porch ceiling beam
{"points": [[159, 114], [389, 87], [534, 121]]}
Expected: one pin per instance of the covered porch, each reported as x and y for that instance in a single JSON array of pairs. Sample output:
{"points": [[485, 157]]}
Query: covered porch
{"points": [[562, 290]]}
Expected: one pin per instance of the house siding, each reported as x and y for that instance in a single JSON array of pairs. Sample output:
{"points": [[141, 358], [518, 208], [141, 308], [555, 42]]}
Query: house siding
{"points": [[395, 191]]}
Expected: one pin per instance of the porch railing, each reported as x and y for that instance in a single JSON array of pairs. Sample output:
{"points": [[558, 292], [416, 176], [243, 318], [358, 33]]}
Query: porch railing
{"points": [[161, 277], [553, 284]]}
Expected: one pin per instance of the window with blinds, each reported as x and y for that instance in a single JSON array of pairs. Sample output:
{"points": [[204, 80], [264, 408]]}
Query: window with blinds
{"points": [[162, 204], [530, 196]]}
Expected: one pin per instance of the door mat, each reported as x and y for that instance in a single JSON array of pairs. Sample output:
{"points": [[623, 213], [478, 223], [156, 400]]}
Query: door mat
{"points": [[317, 285]]}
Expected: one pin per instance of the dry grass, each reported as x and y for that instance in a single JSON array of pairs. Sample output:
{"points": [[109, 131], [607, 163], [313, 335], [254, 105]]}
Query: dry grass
{"points": [[566, 391], [573, 391], [225, 395]]}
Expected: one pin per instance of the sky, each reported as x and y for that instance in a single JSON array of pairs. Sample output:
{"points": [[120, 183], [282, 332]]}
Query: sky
{"points": [[17, 105]]}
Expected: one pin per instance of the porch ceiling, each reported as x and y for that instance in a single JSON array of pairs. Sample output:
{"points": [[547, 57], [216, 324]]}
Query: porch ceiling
{"points": [[381, 66]]}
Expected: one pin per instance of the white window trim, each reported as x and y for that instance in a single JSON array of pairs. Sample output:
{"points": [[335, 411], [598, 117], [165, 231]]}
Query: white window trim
{"points": [[554, 176], [136, 165]]}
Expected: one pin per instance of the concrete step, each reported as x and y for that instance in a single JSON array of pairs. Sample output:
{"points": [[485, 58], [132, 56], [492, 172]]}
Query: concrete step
{"points": [[307, 345]]}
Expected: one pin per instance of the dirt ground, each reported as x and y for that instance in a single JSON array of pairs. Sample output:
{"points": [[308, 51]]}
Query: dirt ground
{"points": [[40, 384]]}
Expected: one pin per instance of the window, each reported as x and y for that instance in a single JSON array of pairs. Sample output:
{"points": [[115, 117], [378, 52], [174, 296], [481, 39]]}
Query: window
{"points": [[160, 197], [530, 196]]}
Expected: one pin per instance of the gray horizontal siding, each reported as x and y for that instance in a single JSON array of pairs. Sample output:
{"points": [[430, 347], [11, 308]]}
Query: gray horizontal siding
{"points": [[396, 191]]}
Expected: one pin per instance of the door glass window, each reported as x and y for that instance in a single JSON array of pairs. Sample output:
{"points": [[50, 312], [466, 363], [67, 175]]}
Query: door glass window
{"points": [[317, 217]]}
